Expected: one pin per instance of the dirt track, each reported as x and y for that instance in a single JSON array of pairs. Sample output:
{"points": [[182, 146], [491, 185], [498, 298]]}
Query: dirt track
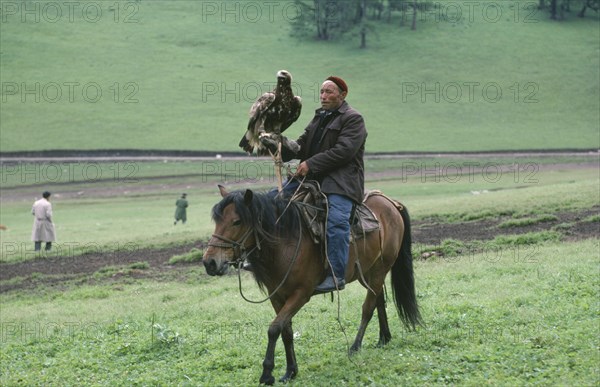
{"points": [[58, 271]]}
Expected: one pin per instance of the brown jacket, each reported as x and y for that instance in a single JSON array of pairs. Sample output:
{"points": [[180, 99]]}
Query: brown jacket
{"points": [[338, 165]]}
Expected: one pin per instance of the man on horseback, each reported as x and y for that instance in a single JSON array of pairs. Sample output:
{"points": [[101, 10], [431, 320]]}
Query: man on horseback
{"points": [[331, 152]]}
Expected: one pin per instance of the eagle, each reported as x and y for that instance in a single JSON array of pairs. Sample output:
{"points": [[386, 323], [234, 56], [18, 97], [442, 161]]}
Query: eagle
{"points": [[273, 112]]}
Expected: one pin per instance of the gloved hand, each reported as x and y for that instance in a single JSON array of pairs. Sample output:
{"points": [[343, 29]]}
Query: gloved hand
{"points": [[269, 142]]}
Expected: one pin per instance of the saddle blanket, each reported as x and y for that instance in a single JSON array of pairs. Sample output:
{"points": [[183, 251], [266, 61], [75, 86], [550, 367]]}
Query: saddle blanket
{"points": [[313, 204]]}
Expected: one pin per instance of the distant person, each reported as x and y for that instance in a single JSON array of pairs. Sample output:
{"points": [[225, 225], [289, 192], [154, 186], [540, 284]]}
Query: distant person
{"points": [[43, 228], [181, 209]]}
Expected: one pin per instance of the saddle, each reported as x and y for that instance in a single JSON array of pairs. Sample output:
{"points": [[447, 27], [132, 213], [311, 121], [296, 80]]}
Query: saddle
{"points": [[312, 203]]}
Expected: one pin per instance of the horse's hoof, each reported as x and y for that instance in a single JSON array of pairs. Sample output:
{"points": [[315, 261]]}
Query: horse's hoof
{"points": [[288, 376], [353, 349], [268, 380]]}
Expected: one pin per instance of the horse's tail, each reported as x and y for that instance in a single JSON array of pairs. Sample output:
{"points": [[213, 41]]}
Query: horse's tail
{"points": [[403, 281]]}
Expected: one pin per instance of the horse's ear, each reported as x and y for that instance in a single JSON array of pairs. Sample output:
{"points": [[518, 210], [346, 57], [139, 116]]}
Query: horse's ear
{"points": [[248, 197], [223, 190]]}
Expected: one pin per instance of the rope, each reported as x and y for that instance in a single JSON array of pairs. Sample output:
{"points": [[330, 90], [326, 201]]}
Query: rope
{"points": [[239, 270]]}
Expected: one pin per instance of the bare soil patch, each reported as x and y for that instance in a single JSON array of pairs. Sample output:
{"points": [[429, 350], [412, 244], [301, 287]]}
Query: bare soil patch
{"points": [[59, 272], [64, 271]]}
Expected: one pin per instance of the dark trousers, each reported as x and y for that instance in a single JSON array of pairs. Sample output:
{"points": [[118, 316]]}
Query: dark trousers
{"points": [[38, 246], [338, 227]]}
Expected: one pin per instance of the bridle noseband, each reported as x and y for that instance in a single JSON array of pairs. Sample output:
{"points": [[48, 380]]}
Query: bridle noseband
{"points": [[240, 251]]}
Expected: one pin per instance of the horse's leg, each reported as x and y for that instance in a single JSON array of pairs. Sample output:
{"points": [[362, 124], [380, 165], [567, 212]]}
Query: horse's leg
{"points": [[367, 313], [375, 279], [384, 330], [287, 335], [269, 361], [282, 325]]}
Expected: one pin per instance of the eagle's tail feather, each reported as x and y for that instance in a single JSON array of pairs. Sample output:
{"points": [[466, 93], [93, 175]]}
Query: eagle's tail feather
{"points": [[245, 145]]}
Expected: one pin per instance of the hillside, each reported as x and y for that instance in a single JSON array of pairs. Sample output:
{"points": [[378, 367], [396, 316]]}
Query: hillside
{"points": [[181, 75]]}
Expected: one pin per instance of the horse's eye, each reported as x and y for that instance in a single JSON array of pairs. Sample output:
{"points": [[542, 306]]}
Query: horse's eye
{"points": [[237, 222]]}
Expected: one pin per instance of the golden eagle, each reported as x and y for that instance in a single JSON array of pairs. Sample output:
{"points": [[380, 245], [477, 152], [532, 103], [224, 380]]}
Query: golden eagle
{"points": [[273, 112]]}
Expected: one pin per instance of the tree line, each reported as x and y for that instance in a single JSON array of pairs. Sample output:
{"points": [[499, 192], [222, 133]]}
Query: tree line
{"points": [[342, 19]]}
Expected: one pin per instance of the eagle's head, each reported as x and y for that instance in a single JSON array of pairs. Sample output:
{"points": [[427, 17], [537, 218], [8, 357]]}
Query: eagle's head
{"points": [[284, 77]]}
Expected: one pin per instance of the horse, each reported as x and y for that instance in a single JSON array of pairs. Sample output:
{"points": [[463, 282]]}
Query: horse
{"points": [[269, 232]]}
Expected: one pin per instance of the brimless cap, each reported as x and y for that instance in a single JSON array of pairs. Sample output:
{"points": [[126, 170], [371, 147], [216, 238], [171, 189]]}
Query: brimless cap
{"points": [[339, 82]]}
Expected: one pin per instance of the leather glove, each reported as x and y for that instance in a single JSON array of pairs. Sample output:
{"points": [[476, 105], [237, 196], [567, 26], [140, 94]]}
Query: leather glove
{"points": [[270, 143]]}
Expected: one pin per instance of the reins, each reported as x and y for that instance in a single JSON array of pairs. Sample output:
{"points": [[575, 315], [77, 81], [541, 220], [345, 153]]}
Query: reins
{"points": [[242, 253], [289, 270], [285, 277]]}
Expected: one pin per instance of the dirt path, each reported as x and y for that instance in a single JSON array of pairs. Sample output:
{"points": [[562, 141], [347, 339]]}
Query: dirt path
{"points": [[58, 271], [61, 271]]}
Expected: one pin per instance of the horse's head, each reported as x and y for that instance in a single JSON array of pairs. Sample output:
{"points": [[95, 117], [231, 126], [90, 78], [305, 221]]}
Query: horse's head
{"points": [[233, 236]]}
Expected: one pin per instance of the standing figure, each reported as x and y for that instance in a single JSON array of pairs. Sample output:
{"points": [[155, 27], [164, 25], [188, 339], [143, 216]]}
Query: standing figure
{"points": [[181, 209], [43, 228]]}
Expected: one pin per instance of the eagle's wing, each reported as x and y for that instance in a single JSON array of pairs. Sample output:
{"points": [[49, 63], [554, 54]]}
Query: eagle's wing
{"points": [[256, 121], [295, 111]]}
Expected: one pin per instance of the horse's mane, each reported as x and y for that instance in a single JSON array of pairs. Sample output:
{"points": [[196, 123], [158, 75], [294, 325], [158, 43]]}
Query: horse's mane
{"points": [[273, 218], [275, 221]]}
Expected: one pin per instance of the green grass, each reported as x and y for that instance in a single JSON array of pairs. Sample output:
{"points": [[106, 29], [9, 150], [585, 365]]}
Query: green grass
{"points": [[137, 214], [194, 255], [492, 249], [517, 310], [430, 200], [523, 319], [592, 219], [426, 169], [527, 221], [178, 78]]}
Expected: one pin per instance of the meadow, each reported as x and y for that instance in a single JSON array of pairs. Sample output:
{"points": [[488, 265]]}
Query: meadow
{"points": [[528, 318], [182, 75], [522, 316], [96, 209]]}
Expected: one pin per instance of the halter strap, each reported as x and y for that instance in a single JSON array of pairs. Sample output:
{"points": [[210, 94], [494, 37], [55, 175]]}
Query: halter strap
{"points": [[237, 246]]}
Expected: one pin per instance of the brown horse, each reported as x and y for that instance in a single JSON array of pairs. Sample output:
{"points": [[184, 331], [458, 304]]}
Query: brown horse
{"points": [[270, 233]]}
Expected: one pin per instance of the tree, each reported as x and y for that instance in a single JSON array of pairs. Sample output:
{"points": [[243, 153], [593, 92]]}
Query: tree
{"points": [[593, 4], [559, 8], [332, 19]]}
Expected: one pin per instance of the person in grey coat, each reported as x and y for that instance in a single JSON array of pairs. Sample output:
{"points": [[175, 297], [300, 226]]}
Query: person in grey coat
{"points": [[181, 209], [43, 228]]}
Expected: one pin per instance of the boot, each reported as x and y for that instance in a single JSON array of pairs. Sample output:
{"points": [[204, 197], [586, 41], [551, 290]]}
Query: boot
{"points": [[328, 285]]}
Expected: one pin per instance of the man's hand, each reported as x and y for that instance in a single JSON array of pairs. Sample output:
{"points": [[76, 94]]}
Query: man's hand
{"points": [[302, 169], [268, 142], [271, 144]]}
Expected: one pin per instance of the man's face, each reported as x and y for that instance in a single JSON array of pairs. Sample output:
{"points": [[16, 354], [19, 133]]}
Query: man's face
{"points": [[331, 97]]}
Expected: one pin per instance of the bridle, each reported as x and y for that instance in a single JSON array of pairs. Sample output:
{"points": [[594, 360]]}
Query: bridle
{"points": [[240, 251]]}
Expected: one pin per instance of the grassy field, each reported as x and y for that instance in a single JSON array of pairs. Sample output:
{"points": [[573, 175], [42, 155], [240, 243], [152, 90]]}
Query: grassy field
{"points": [[180, 75], [524, 316], [173, 74], [136, 209], [526, 319]]}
